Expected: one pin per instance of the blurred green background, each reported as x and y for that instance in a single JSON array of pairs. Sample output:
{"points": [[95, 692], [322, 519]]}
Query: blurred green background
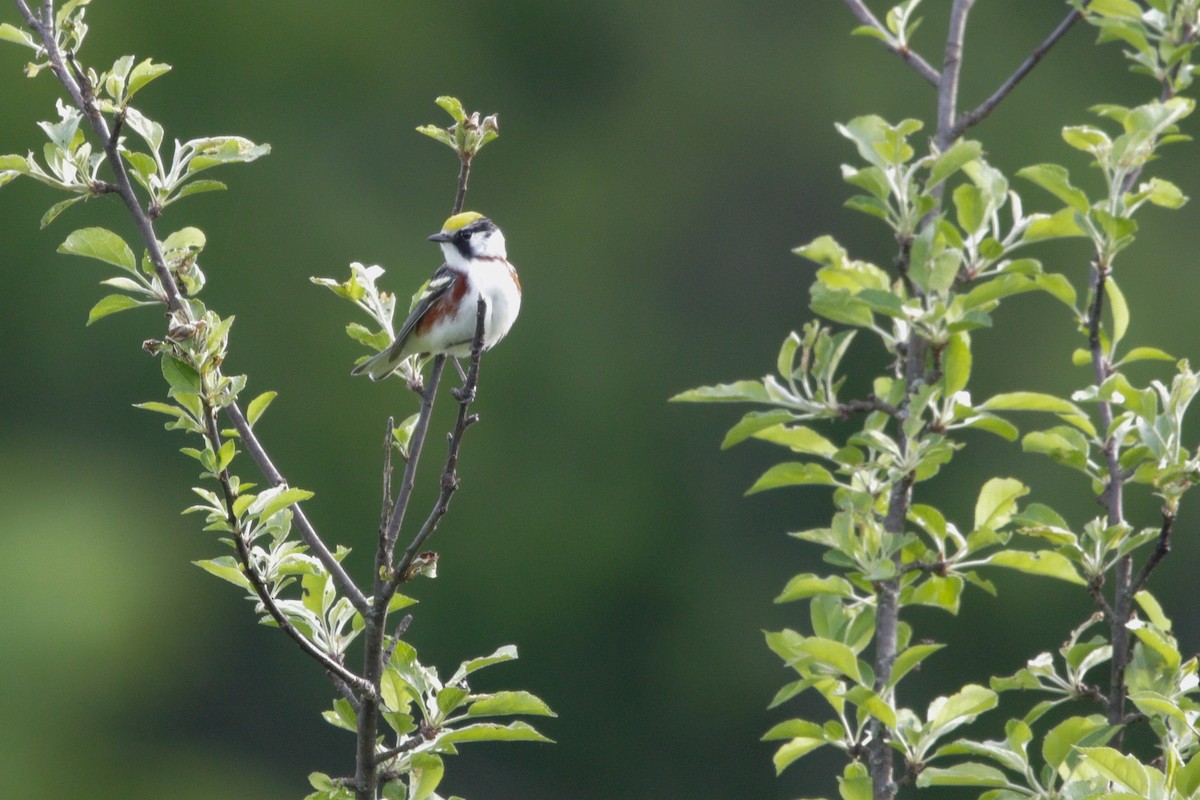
{"points": [[657, 163]]}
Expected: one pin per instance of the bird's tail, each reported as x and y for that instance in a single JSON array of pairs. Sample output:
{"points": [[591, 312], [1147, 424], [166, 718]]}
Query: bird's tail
{"points": [[378, 366]]}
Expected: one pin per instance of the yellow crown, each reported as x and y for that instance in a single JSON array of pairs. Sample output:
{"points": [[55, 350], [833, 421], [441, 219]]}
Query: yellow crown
{"points": [[459, 221]]}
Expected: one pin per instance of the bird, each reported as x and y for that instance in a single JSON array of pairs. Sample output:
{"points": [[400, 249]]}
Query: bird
{"points": [[444, 318]]}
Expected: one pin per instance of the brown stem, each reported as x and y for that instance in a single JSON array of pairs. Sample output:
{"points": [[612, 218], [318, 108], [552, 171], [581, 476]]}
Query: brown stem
{"points": [[951, 68], [449, 481], [337, 672], [1160, 552], [977, 115]]}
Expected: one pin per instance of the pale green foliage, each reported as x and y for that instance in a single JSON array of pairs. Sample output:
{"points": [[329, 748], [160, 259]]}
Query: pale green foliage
{"points": [[288, 586], [965, 247], [468, 134], [416, 700]]}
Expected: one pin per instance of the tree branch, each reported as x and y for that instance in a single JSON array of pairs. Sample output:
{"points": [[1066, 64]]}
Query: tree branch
{"points": [[83, 99], [449, 482], [977, 114], [337, 672], [1160, 552], [914, 60], [307, 532], [386, 550], [951, 68]]}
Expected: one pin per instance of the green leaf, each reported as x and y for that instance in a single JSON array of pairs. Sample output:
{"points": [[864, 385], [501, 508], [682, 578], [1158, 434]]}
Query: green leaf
{"points": [[970, 207], [453, 107], [910, 658], [799, 439], [1144, 354], [59, 207], [948, 713], [426, 773], [992, 424], [111, 304], [997, 502], [181, 377], [805, 737], [938, 592], [1065, 445], [752, 423], [1187, 779], [1154, 612], [258, 405], [1059, 224], [808, 585], [1118, 767], [1056, 180], [793, 751], [1120, 311], [1153, 704], [506, 653], [834, 655], [792, 473], [492, 732], [1117, 9], [101, 244], [1086, 138], [1037, 401], [1158, 642], [738, 392], [11, 33], [952, 160], [434, 132], [504, 703], [1163, 193], [1057, 286], [282, 500], [162, 408], [215, 150], [142, 74], [226, 569], [968, 773], [1060, 741], [196, 187], [956, 363], [855, 783], [1043, 562]]}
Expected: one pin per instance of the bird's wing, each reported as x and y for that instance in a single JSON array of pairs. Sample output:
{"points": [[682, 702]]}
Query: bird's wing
{"points": [[441, 282], [382, 364]]}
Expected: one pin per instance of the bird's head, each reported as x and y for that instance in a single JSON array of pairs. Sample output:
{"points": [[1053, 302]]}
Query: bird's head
{"points": [[469, 236]]}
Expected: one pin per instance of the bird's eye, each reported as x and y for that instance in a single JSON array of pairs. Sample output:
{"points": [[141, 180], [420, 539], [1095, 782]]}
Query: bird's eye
{"points": [[466, 235]]}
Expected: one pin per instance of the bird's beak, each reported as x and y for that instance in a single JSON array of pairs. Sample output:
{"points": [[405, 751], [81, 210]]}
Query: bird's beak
{"points": [[440, 236]]}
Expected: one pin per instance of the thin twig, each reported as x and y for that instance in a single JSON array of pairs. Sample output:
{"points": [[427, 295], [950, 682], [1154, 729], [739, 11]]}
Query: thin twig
{"points": [[1160, 552], [1112, 498], [977, 114], [388, 446], [449, 482], [336, 670], [391, 531], [464, 172], [913, 59], [307, 532], [1096, 591], [871, 404], [951, 68]]}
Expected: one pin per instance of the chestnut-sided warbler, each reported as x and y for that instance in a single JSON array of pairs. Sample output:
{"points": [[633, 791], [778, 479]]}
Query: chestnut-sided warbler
{"points": [[444, 318]]}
